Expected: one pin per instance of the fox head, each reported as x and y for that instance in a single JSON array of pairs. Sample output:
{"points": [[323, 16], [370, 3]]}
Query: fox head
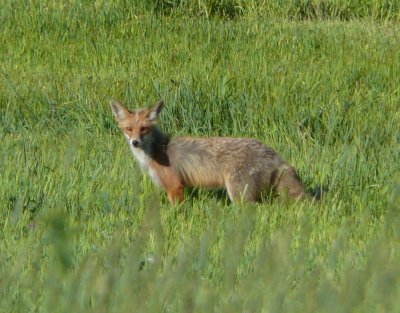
{"points": [[139, 124]]}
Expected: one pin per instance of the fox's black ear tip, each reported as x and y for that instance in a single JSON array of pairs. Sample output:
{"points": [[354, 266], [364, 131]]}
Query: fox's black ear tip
{"points": [[159, 105], [113, 102], [116, 105]]}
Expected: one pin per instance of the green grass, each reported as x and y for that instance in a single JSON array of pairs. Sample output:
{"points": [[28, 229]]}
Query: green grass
{"points": [[77, 219]]}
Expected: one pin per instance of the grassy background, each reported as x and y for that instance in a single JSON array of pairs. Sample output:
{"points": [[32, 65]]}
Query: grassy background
{"points": [[81, 230]]}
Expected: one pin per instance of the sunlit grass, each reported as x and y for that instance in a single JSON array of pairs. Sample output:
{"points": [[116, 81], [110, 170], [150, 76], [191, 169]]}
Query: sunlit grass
{"points": [[81, 229]]}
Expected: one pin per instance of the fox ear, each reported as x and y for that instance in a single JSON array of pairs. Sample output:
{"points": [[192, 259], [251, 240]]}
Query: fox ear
{"points": [[120, 112], [155, 110]]}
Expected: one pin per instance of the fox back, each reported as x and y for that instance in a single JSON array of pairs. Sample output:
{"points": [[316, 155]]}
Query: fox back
{"points": [[245, 167]]}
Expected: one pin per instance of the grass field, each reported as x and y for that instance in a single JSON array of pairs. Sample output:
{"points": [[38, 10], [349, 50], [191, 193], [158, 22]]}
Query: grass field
{"points": [[81, 230]]}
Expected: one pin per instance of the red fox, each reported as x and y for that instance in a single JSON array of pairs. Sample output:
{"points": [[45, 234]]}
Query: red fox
{"points": [[245, 167]]}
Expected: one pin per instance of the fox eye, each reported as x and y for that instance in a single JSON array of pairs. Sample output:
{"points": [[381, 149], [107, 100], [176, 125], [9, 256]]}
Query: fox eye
{"points": [[144, 129], [128, 129]]}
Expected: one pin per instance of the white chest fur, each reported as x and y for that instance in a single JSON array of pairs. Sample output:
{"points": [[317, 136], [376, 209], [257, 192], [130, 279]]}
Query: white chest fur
{"points": [[144, 162]]}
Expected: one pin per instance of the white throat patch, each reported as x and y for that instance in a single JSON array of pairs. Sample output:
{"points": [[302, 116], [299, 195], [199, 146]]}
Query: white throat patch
{"points": [[144, 162]]}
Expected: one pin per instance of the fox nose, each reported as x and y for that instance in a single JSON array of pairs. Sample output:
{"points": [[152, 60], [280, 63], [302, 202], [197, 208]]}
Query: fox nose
{"points": [[135, 143]]}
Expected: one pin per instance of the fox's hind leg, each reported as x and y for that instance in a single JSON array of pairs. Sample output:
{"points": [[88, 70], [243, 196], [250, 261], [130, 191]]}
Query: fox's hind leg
{"points": [[286, 181]]}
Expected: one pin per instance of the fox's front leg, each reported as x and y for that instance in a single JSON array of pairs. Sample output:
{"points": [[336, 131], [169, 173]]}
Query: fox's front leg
{"points": [[176, 194], [172, 184]]}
